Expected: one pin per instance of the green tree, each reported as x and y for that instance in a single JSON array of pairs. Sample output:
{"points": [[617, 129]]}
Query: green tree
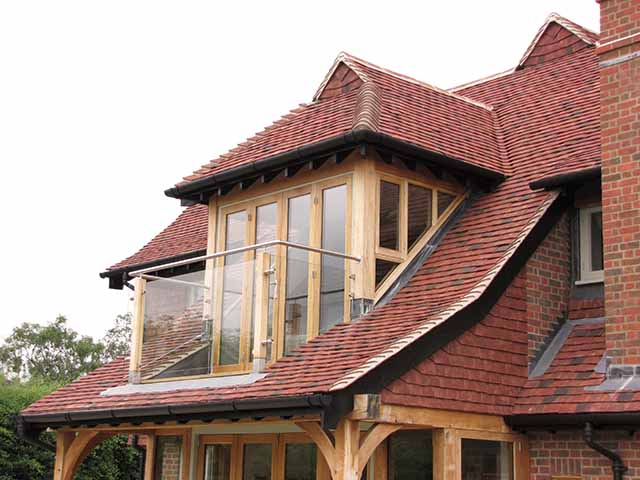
{"points": [[53, 352], [38, 359], [116, 340]]}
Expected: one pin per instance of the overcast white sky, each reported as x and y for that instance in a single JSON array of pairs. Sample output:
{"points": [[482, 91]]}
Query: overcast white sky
{"points": [[105, 104]]}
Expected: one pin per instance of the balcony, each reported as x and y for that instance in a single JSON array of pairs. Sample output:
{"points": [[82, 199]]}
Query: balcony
{"points": [[236, 311]]}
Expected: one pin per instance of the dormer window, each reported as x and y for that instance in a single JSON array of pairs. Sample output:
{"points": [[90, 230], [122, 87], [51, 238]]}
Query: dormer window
{"points": [[591, 245], [288, 259]]}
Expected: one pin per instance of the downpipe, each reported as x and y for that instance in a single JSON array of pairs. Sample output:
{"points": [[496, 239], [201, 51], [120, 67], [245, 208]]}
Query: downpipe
{"points": [[617, 465]]}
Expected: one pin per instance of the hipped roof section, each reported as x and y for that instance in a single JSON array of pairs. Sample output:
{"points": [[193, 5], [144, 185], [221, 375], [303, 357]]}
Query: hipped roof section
{"points": [[357, 96]]}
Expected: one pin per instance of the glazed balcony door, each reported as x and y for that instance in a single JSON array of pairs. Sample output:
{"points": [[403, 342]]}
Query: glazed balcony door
{"points": [[236, 279]]}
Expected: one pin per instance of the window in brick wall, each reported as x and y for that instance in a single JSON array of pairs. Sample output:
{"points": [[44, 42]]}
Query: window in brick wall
{"points": [[591, 246]]}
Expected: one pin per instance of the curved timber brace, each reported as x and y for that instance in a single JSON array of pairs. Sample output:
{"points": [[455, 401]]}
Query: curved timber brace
{"points": [[71, 450], [347, 452]]}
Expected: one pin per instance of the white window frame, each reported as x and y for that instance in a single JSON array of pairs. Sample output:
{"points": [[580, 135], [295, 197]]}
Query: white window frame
{"points": [[587, 275]]}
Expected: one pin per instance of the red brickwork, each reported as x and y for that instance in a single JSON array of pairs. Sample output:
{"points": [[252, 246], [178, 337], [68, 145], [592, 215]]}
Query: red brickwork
{"points": [[548, 277], [618, 19], [566, 455], [580, 308], [620, 123]]}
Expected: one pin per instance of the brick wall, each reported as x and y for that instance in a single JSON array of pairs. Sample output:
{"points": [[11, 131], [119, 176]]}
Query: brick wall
{"points": [[566, 454], [620, 123], [548, 280], [168, 463], [618, 19]]}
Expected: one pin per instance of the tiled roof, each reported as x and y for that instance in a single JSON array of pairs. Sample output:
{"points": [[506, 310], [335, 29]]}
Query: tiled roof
{"points": [[558, 36], [384, 102], [543, 114], [187, 234], [564, 387]]}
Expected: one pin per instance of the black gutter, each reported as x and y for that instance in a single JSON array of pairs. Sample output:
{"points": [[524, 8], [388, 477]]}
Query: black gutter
{"points": [[31, 435], [191, 190], [286, 407], [572, 421], [617, 465], [567, 178], [119, 276]]}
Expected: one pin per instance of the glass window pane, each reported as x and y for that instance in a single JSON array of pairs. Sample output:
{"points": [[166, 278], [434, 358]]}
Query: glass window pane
{"points": [[300, 461], [444, 200], [175, 341], [168, 461], [411, 455], [256, 463], [389, 216], [233, 279], [217, 462], [383, 268], [487, 460], [419, 212], [266, 231], [334, 211], [596, 241], [295, 321]]}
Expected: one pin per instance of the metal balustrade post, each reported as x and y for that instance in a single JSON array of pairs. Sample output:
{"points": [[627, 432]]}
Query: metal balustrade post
{"points": [[261, 314]]}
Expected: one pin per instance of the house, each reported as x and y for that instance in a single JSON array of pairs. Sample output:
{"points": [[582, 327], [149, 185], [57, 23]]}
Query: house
{"points": [[396, 281]]}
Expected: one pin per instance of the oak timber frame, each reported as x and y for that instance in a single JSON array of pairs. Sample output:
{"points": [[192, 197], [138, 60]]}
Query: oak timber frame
{"points": [[359, 440], [361, 172]]}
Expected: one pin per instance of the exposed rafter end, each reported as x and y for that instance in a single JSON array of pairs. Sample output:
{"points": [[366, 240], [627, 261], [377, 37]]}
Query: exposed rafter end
{"points": [[244, 184], [292, 170], [267, 177]]}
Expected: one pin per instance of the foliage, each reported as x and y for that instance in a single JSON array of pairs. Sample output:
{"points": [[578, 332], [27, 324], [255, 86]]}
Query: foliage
{"points": [[53, 352], [39, 359], [19, 459], [116, 340]]}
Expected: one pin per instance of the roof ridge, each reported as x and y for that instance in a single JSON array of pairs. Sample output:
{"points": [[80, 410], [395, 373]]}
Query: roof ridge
{"points": [[586, 35], [349, 60], [482, 80], [339, 59], [367, 112]]}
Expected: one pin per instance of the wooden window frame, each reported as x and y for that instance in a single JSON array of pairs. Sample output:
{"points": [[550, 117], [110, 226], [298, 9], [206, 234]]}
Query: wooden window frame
{"points": [[404, 255], [587, 275], [278, 444], [448, 451], [152, 451]]}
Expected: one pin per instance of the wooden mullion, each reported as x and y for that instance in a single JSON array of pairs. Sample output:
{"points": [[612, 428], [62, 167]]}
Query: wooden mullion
{"points": [[315, 263]]}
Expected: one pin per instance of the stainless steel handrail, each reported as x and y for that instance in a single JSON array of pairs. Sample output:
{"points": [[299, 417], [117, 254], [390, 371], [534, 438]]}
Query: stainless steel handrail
{"points": [[232, 251]]}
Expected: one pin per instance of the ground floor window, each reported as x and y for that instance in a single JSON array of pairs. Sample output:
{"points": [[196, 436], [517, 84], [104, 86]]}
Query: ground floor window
{"points": [[410, 455], [168, 459], [288, 456], [487, 460]]}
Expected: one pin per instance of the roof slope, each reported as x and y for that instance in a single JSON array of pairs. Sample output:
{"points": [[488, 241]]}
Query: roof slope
{"points": [[545, 114], [394, 105], [186, 234], [563, 388]]}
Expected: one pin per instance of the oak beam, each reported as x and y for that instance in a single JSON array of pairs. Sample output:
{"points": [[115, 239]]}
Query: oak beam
{"points": [[368, 408]]}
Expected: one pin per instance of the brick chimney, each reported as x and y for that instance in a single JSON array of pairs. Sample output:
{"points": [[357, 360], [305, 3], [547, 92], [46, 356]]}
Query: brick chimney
{"points": [[619, 56]]}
